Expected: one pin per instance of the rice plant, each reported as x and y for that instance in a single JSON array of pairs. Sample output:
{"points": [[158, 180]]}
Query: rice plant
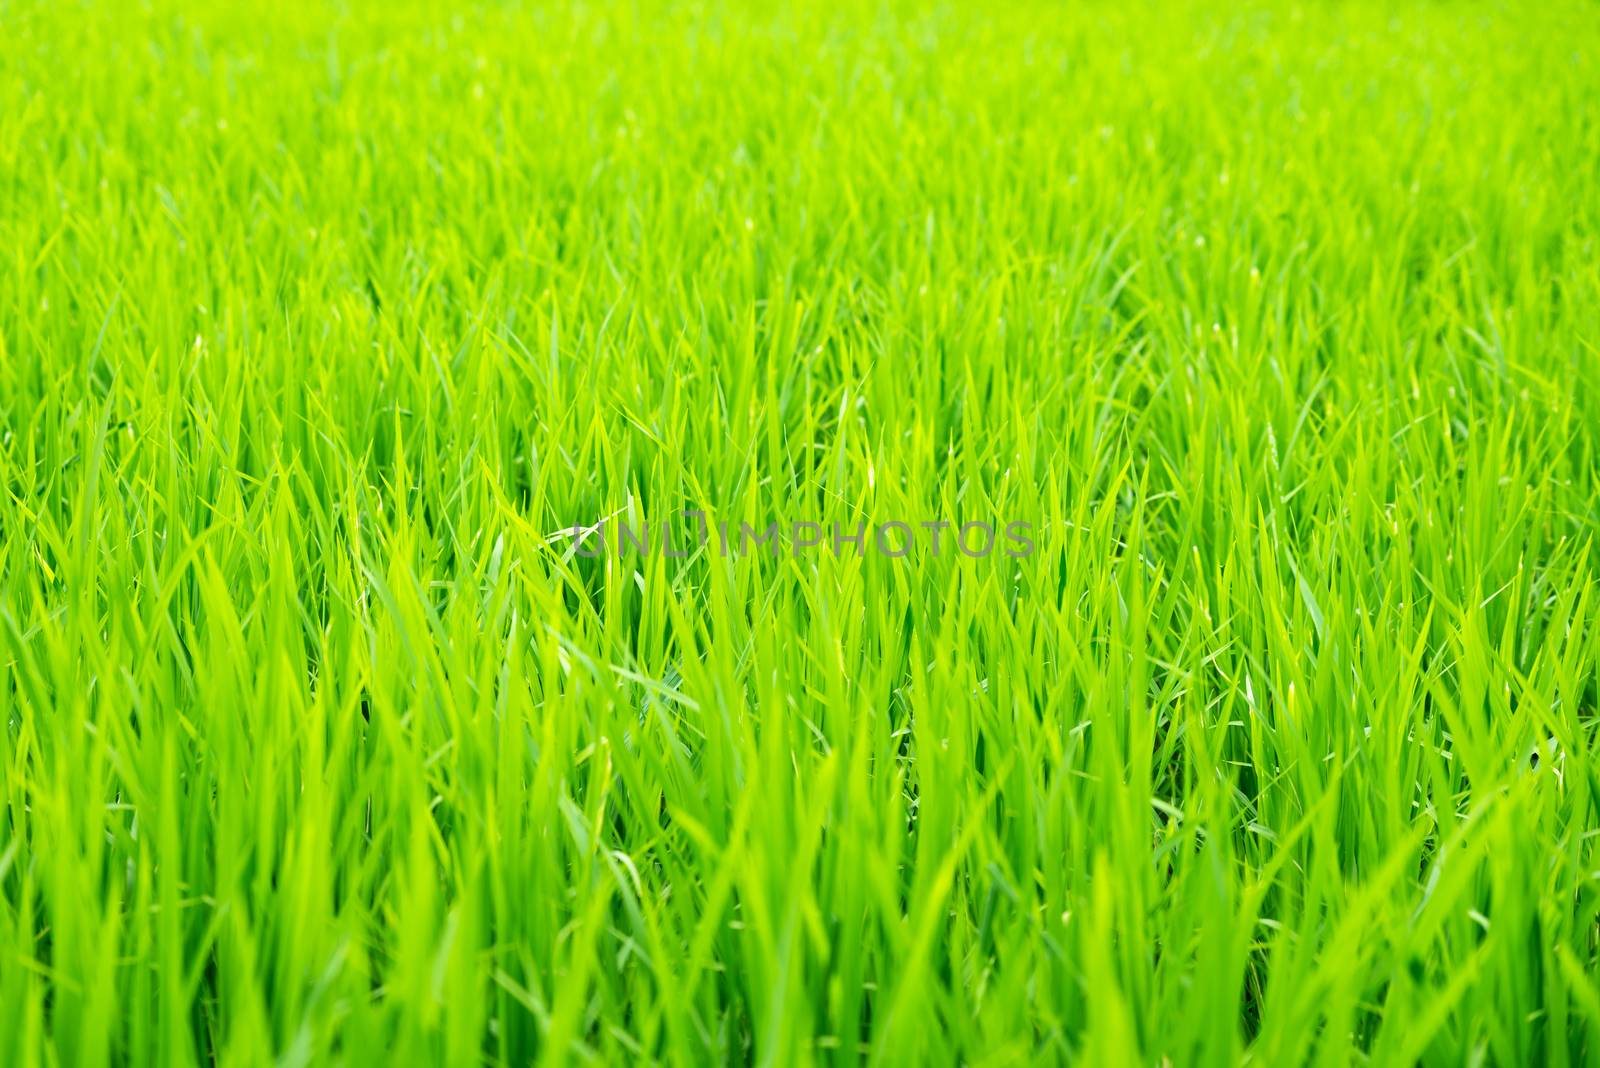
{"points": [[866, 534]]}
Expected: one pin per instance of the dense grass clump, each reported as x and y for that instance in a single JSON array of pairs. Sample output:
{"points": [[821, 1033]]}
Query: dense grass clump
{"points": [[323, 740]]}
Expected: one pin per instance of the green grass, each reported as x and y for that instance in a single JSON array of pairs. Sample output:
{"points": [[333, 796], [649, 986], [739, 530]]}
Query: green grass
{"points": [[321, 324]]}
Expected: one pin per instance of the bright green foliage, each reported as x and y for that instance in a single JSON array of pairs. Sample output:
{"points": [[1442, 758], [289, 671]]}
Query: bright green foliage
{"points": [[320, 323]]}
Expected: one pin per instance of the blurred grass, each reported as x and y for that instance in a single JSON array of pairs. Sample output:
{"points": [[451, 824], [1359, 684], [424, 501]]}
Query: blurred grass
{"points": [[1277, 321]]}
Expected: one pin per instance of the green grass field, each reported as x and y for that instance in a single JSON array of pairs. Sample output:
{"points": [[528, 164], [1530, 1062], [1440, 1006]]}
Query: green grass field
{"points": [[323, 740]]}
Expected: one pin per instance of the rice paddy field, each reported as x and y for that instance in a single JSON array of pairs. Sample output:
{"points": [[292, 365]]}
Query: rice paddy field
{"points": [[492, 533]]}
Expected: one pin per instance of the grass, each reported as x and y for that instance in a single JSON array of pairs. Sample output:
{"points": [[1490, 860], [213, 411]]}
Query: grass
{"points": [[322, 324]]}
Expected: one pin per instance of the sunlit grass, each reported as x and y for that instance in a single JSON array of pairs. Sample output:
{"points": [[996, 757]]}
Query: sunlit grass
{"points": [[322, 325]]}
